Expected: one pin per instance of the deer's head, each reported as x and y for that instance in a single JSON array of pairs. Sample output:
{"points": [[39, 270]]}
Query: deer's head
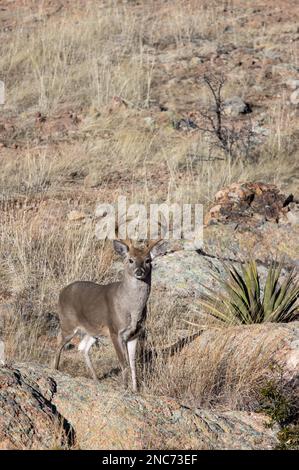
{"points": [[138, 261]]}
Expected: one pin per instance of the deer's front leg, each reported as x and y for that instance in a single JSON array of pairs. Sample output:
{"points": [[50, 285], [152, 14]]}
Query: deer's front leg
{"points": [[121, 351], [129, 339], [131, 347], [123, 337]]}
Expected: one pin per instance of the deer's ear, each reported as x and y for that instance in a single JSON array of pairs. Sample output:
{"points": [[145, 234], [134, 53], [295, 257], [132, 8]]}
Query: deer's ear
{"points": [[158, 249], [121, 248]]}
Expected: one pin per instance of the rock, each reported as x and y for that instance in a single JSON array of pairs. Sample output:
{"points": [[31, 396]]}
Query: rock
{"points": [[184, 124], [235, 106], [294, 98], [265, 242], [271, 54], [253, 219], [293, 216], [28, 419], [273, 348], [228, 29], [92, 180], [249, 204], [259, 130], [247, 220], [75, 215], [150, 122], [185, 274], [292, 83], [195, 61], [226, 49], [282, 69], [105, 417]]}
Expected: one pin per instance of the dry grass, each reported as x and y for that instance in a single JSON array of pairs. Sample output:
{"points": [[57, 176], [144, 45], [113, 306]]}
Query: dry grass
{"points": [[80, 60], [224, 367], [88, 55], [60, 60], [35, 264]]}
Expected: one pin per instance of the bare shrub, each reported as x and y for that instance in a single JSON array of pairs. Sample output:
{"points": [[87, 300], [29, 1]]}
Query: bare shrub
{"points": [[234, 141]]}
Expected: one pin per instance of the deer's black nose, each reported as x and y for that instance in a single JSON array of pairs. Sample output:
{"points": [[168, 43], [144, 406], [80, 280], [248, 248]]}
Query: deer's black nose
{"points": [[139, 272]]}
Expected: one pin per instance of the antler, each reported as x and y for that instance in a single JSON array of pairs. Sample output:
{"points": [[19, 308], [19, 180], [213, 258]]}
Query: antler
{"points": [[120, 222], [163, 229], [162, 225]]}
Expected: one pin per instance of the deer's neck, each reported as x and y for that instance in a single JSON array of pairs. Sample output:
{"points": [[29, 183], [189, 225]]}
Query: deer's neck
{"points": [[136, 291]]}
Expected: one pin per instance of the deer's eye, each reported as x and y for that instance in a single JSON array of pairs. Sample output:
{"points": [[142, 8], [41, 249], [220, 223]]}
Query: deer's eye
{"points": [[131, 260]]}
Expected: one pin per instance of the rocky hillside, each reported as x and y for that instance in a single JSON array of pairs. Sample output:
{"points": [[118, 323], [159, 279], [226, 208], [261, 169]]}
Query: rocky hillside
{"points": [[42, 409], [45, 409], [177, 101]]}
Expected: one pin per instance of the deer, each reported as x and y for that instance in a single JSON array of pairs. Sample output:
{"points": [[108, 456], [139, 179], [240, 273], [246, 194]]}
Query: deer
{"points": [[117, 309]]}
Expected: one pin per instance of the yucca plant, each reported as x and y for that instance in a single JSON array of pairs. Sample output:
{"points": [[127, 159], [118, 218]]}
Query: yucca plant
{"points": [[243, 301]]}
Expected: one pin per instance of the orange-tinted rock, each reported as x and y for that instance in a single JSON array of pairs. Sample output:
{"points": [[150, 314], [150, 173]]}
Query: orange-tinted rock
{"points": [[249, 203], [28, 420]]}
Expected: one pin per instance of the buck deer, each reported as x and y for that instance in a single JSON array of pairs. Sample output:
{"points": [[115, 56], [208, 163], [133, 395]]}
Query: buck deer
{"points": [[117, 309]]}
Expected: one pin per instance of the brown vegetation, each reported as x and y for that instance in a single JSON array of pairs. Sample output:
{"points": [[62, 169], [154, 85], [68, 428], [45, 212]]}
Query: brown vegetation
{"points": [[108, 98]]}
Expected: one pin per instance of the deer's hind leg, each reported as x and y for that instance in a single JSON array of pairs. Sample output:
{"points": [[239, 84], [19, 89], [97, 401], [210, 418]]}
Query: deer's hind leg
{"points": [[62, 341], [85, 346]]}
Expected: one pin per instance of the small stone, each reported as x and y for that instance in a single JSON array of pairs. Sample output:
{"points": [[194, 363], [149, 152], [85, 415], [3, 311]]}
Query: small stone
{"points": [[294, 98], [293, 217], [235, 106], [195, 61], [150, 122], [75, 215], [292, 83], [92, 180]]}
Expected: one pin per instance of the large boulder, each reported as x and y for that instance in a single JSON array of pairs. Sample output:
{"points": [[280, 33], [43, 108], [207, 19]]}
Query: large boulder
{"points": [[265, 243], [185, 275], [29, 419], [253, 219], [105, 416]]}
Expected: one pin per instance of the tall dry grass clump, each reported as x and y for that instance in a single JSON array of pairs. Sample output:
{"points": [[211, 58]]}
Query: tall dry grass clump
{"points": [[77, 58], [223, 367]]}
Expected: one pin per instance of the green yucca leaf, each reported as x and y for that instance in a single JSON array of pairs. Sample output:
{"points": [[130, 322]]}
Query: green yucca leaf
{"points": [[284, 292], [273, 289], [242, 300]]}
